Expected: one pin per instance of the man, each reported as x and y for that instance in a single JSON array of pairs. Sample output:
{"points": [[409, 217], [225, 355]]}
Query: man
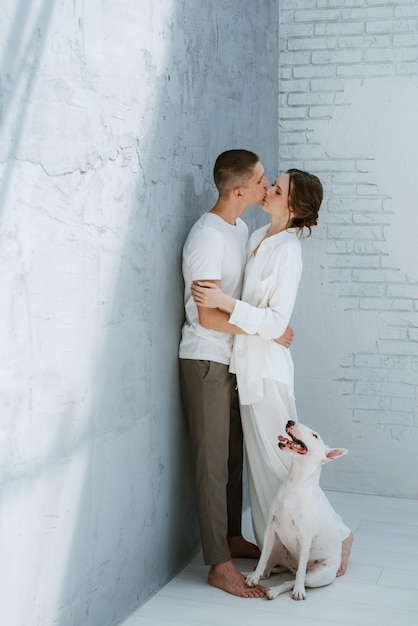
{"points": [[215, 250]]}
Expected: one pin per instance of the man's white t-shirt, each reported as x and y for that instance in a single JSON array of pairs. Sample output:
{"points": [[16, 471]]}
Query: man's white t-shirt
{"points": [[213, 250]]}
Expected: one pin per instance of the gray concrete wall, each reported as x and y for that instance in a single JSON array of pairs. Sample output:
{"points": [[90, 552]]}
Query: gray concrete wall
{"points": [[348, 94], [112, 116]]}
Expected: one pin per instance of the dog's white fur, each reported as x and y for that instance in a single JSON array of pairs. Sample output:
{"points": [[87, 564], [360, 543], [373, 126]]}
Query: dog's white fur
{"points": [[302, 533]]}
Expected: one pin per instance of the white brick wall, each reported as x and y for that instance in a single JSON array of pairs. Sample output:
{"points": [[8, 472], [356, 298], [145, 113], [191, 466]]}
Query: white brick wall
{"points": [[356, 347]]}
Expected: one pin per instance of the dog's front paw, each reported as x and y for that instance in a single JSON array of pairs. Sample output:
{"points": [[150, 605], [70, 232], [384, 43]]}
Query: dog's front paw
{"points": [[272, 593], [252, 580], [299, 593]]}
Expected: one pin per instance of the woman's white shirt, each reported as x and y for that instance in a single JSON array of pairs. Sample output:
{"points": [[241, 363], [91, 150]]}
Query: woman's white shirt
{"points": [[271, 283]]}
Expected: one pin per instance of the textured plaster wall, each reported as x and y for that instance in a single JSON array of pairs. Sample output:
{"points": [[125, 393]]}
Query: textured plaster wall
{"points": [[348, 94], [112, 114]]}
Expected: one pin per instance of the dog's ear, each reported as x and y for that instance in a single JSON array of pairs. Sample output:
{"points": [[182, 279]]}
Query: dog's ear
{"points": [[334, 453]]}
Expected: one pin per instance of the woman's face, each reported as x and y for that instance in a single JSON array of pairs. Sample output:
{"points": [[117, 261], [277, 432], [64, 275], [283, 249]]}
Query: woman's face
{"points": [[276, 200]]}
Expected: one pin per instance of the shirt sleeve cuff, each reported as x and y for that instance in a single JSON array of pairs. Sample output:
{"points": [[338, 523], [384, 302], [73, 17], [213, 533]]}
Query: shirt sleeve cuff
{"points": [[246, 317]]}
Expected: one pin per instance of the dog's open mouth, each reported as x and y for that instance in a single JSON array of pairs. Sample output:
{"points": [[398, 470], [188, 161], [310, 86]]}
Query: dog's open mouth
{"points": [[292, 444]]}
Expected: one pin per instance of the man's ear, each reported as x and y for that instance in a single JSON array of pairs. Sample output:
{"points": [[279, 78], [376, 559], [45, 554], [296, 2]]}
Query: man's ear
{"points": [[237, 193]]}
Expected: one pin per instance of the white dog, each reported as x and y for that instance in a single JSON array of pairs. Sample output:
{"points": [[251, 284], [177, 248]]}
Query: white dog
{"points": [[302, 533]]}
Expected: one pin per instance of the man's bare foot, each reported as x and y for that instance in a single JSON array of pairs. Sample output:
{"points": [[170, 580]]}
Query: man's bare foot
{"points": [[345, 554], [240, 548], [226, 577]]}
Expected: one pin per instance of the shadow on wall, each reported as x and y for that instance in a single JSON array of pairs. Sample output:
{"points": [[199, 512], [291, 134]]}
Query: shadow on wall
{"points": [[21, 57], [136, 524], [136, 518]]}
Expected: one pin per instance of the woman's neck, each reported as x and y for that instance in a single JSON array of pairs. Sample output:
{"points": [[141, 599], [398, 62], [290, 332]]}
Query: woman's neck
{"points": [[277, 226]]}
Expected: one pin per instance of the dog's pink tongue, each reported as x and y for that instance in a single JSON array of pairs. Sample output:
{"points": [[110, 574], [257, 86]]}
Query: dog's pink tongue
{"points": [[284, 440]]}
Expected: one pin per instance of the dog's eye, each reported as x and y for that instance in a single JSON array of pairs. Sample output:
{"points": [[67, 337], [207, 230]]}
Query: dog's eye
{"points": [[315, 435]]}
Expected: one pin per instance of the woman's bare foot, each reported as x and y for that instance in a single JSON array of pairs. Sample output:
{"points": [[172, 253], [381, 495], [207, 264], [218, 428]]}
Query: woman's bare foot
{"points": [[240, 548], [226, 577], [345, 554]]}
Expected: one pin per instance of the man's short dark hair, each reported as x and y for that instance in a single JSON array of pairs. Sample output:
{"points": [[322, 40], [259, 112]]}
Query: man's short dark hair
{"points": [[232, 169]]}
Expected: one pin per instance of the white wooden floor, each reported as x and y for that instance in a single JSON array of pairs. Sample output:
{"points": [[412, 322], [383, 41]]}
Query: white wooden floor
{"points": [[380, 587]]}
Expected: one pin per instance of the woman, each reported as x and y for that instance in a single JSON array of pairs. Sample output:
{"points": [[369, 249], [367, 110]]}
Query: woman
{"points": [[264, 368]]}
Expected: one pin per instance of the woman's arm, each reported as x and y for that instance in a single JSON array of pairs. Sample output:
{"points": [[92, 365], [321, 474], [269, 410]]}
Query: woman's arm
{"points": [[215, 307], [271, 318], [209, 294], [211, 317], [268, 321]]}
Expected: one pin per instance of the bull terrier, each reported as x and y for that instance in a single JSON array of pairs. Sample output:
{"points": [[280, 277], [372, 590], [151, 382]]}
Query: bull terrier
{"points": [[302, 533]]}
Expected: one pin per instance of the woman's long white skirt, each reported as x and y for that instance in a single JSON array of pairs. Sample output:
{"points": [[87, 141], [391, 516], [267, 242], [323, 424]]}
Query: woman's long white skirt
{"points": [[267, 465]]}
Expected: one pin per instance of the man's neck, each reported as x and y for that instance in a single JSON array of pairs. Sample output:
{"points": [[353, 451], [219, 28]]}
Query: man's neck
{"points": [[228, 210]]}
